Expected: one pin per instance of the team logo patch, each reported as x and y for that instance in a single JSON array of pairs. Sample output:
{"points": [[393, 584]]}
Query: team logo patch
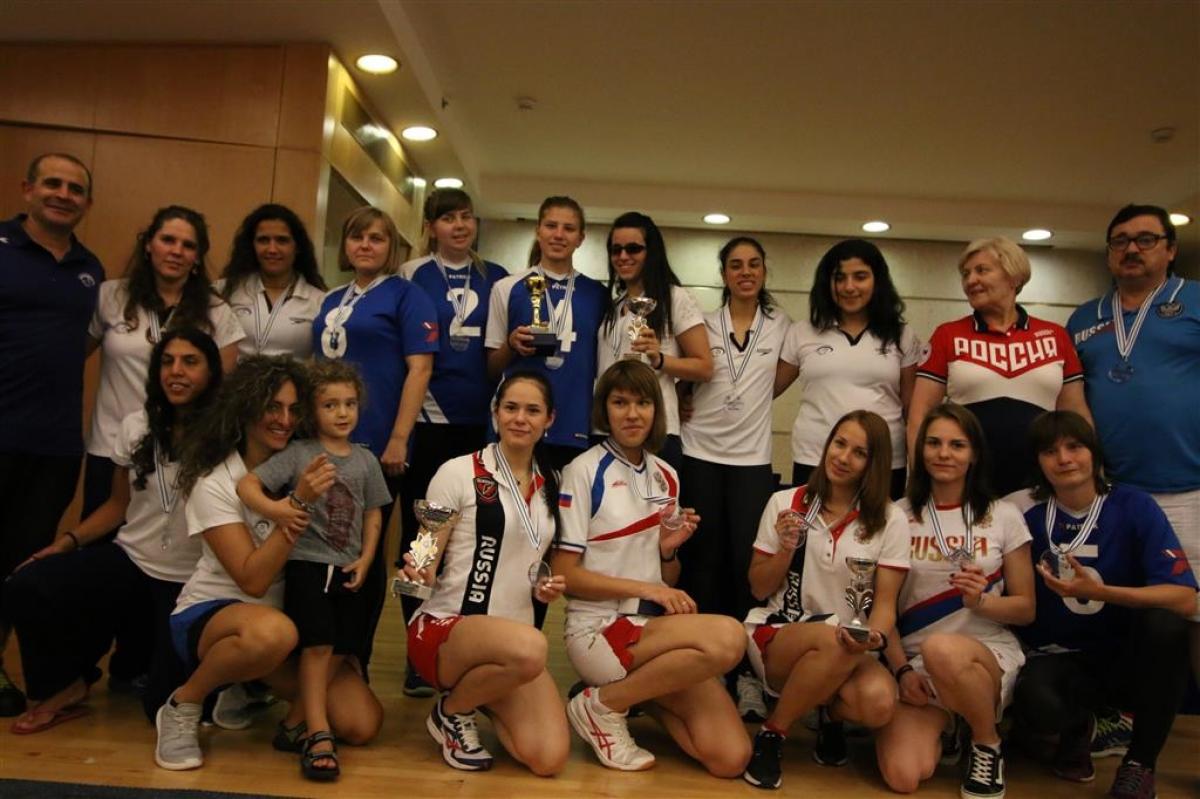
{"points": [[485, 488], [660, 481], [718, 350], [824, 349], [242, 310], [431, 332], [87, 280], [1169, 310]]}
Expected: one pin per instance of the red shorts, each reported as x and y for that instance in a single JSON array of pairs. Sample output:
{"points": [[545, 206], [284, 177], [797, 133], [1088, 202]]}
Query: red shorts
{"points": [[426, 634]]}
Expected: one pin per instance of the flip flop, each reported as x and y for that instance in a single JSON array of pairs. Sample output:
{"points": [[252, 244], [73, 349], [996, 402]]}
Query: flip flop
{"points": [[52, 719]]}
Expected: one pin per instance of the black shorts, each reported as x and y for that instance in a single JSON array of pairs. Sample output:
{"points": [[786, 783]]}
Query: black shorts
{"points": [[325, 612]]}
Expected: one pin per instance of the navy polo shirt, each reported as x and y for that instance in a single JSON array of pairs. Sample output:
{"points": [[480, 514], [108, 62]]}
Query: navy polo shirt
{"points": [[45, 307]]}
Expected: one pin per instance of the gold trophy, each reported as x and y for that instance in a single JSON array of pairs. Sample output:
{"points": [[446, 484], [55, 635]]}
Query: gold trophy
{"points": [[433, 518], [545, 341]]}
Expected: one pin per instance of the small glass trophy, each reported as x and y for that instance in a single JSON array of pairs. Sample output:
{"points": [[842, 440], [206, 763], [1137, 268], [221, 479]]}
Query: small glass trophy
{"points": [[792, 529], [434, 518], [545, 342], [539, 574], [639, 309], [671, 518], [859, 596]]}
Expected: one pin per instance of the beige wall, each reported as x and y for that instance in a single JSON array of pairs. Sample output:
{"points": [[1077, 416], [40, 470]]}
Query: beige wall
{"points": [[924, 273]]}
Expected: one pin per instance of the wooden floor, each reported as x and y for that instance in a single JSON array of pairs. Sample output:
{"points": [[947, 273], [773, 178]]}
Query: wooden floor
{"points": [[114, 746]]}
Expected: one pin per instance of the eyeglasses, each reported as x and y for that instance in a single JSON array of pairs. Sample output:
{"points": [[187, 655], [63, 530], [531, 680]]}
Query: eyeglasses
{"points": [[1144, 241], [629, 249]]}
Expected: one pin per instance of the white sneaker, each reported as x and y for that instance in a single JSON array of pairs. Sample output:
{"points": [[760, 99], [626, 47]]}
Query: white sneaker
{"points": [[607, 732], [750, 704], [232, 708], [178, 747]]}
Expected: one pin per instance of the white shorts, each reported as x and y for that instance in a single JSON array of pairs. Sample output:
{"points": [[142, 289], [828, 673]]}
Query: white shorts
{"points": [[1183, 512], [598, 647], [1009, 658]]}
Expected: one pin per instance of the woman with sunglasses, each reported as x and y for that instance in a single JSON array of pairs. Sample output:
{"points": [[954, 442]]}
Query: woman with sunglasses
{"points": [[854, 351], [166, 285], [820, 545], [633, 638], [671, 337]]}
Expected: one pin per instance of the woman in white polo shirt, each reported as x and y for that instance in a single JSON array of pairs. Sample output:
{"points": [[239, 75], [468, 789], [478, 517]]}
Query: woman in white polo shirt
{"points": [[68, 601], [228, 625], [808, 539], [272, 283], [853, 352], [166, 285]]}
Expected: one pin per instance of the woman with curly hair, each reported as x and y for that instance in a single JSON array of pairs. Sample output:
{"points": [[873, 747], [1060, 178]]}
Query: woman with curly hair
{"points": [[228, 625], [68, 600], [165, 286], [272, 283]]}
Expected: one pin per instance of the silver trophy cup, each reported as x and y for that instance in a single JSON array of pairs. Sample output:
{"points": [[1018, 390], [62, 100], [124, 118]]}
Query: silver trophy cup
{"points": [[639, 308], [859, 596], [434, 518]]}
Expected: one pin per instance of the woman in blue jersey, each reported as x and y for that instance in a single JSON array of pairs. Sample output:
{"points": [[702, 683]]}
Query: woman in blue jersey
{"points": [[453, 419], [1112, 599], [572, 304], [387, 327], [633, 637], [474, 637], [672, 339]]}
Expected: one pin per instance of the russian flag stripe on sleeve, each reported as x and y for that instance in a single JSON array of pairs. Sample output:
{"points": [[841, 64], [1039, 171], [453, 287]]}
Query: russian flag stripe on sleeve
{"points": [[564, 500]]}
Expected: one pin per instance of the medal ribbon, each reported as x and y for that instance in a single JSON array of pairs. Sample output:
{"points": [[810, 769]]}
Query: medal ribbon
{"points": [[968, 538], [642, 487], [559, 323], [351, 298], [457, 301], [735, 374], [167, 490], [530, 524], [263, 332], [156, 329], [615, 339], [1089, 524], [1126, 340]]}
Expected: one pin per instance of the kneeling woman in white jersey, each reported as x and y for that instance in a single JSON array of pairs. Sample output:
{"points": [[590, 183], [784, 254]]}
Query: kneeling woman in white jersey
{"points": [[971, 576], [474, 639], [796, 645], [630, 635]]}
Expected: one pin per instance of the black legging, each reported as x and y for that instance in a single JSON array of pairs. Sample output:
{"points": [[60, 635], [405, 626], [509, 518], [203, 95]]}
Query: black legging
{"points": [[1058, 693], [67, 608]]}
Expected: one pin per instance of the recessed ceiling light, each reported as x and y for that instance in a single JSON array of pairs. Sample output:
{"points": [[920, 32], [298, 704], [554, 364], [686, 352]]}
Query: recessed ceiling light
{"points": [[876, 226], [418, 183], [377, 64], [716, 219], [1179, 220], [419, 133], [1037, 234], [448, 183]]}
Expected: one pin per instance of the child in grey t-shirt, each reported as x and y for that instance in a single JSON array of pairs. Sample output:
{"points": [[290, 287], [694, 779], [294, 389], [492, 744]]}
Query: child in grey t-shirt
{"points": [[336, 542]]}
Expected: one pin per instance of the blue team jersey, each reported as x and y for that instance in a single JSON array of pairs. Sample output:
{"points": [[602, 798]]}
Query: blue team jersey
{"points": [[1148, 425], [392, 321], [459, 390], [1132, 545], [572, 380]]}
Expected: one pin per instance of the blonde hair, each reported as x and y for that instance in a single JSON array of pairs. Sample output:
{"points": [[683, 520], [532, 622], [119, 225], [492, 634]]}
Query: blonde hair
{"points": [[360, 220], [1008, 254]]}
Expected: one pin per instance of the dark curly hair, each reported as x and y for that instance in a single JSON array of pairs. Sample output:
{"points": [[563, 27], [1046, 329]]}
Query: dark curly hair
{"points": [[198, 296], [160, 413], [326, 373], [243, 399], [885, 311], [243, 262]]}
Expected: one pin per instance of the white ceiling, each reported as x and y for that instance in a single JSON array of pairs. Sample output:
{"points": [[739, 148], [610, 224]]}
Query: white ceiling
{"points": [[948, 119]]}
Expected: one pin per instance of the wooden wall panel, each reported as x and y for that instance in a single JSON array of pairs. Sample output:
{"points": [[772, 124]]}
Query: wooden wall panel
{"points": [[64, 92], [298, 176], [222, 181], [302, 101], [219, 93], [20, 145]]}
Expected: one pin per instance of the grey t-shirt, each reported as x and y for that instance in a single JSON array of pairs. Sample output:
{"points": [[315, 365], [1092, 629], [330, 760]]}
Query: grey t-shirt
{"points": [[334, 533]]}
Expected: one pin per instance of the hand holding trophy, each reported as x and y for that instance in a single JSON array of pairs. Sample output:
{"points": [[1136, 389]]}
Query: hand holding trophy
{"points": [[545, 341], [639, 309], [860, 594], [434, 519]]}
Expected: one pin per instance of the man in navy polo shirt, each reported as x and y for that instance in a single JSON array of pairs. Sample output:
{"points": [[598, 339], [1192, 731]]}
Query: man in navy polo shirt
{"points": [[49, 283]]}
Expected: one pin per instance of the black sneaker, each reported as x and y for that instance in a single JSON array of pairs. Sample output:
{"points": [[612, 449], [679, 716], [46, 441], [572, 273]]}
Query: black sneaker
{"points": [[415, 685], [952, 743], [1073, 758], [831, 742], [985, 773], [1113, 734], [765, 767], [12, 701]]}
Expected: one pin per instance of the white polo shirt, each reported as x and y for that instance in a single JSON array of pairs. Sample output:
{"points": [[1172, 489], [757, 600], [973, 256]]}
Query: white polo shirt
{"points": [[286, 328]]}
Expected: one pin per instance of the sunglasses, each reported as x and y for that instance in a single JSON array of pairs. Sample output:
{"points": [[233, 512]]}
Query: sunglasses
{"points": [[629, 249]]}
